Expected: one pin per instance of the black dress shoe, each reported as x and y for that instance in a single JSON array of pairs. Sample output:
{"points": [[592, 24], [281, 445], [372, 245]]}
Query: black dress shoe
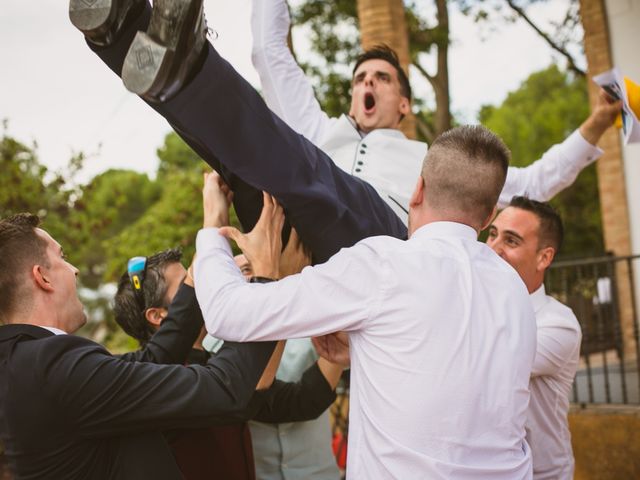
{"points": [[102, 20], [162, 59]]}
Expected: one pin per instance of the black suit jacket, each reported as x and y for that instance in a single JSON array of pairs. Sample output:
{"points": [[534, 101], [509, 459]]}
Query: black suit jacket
{"points": [[71, 410]]}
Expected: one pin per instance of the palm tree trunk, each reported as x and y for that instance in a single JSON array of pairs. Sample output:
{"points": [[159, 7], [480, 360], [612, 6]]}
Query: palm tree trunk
{"points": [[383, 21]]}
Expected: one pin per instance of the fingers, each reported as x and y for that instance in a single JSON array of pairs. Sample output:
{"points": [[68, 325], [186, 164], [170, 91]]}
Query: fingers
{"points": [[213, 179], [320, 344], [293, 237], [608, 102], [232, 233], [272, 212], [603, 95]]}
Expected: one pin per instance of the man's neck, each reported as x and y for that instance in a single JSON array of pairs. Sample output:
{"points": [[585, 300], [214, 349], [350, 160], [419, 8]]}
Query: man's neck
{"points": [[535, 285], [48, 325]]}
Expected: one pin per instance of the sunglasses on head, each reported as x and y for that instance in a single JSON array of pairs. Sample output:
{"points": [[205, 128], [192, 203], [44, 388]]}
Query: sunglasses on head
{"points": [[136, 268]]}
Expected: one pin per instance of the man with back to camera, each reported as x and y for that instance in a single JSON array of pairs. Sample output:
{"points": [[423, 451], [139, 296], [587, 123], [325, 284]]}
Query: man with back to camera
{"points": [[441, 330], [162, 54], [71, 410], [528, 234]]}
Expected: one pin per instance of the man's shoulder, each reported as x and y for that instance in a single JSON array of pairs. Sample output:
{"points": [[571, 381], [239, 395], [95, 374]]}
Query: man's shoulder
{"points": [[380, 245], [42, 348], [556, 314]]}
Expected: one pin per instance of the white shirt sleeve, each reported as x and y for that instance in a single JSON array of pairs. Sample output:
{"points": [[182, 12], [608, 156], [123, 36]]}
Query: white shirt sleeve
{"points": [[554, 349], [340, 294], [556, 170], [286, 89]]}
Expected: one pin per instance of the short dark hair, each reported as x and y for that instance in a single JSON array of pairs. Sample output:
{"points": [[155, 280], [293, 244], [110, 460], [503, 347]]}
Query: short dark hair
{"points": [[154, 289], [551, 232], [464, 171], [386, 53], [21, 248]]}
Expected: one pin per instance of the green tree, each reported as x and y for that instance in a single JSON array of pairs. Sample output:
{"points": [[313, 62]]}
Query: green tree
{"points": [[175, 155], [22, 178], [544, 110], [339, 46], [107, 205], [335, 39], [28, 186], [173, 219]]}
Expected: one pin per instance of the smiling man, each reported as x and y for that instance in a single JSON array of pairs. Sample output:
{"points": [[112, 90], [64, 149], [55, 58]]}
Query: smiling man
{"points": [[528, 234]]}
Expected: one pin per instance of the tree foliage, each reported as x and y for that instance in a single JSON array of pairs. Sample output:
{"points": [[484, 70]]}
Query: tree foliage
{"points": [[116, 215], [334, 38], [546, 108]]}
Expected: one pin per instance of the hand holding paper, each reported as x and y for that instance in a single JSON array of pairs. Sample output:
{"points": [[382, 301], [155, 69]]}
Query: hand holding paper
{"points": [[627, 91]]}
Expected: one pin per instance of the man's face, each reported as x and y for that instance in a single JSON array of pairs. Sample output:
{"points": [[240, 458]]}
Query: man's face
{"points": [[62, 277], [244, 266], [174, 274], [514, 235], [376, 101]]}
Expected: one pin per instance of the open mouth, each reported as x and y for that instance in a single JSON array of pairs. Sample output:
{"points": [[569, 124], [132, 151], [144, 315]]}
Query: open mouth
{"points": [[369, 102]]}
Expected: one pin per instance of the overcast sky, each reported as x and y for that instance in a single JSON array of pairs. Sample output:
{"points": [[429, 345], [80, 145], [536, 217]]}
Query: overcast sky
{"points": [[54, 91]]}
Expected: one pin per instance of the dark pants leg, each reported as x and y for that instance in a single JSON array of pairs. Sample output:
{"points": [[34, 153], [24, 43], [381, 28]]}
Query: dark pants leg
{"points": [[228, 124]]}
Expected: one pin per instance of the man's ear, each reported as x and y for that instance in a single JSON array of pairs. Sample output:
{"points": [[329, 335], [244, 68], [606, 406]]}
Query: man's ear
{"points": [[155, 315], [404, 108], [417, 197], [545, 257], [490, 218], [41, 278]]}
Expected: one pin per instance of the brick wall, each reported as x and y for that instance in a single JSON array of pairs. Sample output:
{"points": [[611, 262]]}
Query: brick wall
{"points": [[611, 184]]}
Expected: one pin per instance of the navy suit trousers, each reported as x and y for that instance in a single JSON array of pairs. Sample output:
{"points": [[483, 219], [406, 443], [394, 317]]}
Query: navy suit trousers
{"points": [[225, 121]]}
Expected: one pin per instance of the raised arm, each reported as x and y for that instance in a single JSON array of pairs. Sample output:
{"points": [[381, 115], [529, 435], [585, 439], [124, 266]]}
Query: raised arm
{"points": [[109, 396], [303, 400], [286, 89], [320, 300], [317, 301], [560, 165]]}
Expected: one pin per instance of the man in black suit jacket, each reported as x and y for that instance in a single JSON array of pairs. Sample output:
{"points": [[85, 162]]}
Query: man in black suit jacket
{"points": [[68, 408]]}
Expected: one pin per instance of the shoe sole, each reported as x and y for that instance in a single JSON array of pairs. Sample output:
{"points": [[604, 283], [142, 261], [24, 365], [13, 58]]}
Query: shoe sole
{"points": [[91, 15], [100, 20], [150, 65], [145, 65]]}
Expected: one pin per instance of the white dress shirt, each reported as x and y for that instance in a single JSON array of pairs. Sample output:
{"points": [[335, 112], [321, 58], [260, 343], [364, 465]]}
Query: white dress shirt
{"points": [[554, 369], [384, 158], [442, 338]]}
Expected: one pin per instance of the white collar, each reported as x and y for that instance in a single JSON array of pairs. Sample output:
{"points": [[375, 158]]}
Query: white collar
{"points": [[445, 229], [388, 132], [538, 298], [54, 330]]}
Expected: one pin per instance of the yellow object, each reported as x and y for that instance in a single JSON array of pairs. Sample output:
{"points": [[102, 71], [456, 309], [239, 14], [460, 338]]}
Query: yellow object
{"points": [[633, 95]]}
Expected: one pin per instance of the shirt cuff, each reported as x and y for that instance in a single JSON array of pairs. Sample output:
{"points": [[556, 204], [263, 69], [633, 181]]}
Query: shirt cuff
{"points": [[575, 146], [210, 238]]}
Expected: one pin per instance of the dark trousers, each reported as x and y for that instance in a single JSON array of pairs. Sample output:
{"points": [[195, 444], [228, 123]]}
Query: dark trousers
{"points": [[225, 121]]}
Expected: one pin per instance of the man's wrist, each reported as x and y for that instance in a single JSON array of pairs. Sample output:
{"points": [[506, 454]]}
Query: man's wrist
{"points": [[591, 130], [259, 279], [266, 272], [216, 220]]}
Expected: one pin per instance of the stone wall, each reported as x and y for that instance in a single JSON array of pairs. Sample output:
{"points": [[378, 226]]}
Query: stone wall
{"points": [[606, 442]]}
